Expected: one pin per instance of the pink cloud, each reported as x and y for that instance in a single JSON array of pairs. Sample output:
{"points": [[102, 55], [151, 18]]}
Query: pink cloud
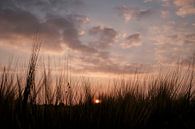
{"points": [[129, 13], [184, 7]]}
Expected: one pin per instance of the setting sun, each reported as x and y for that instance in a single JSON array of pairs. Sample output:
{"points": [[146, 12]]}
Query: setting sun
{"points": [[97, 101]]}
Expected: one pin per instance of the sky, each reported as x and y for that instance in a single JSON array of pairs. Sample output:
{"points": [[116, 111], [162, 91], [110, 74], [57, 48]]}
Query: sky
{"points": [[100, 36]]}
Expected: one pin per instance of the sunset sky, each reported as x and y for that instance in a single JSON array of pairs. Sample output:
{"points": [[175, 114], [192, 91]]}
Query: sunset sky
{"points": [[104, 36]]}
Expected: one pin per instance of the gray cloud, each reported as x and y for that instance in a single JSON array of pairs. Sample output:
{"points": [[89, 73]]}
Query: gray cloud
{"points": [[104, 36], [60, 24], [17, 27], [41, 8], [16, 22], [147, 1], [67, 32], [132, 40]]}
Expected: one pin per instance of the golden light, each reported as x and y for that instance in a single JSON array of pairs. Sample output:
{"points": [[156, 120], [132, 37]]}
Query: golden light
{"points": [[97, 101]]}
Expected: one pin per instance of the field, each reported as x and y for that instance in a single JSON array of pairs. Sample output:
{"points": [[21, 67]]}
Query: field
{"points": [[165, 101]]}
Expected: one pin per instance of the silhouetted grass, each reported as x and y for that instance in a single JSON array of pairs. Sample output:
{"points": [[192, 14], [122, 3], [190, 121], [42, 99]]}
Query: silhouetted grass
{"points": [[165, 100]]}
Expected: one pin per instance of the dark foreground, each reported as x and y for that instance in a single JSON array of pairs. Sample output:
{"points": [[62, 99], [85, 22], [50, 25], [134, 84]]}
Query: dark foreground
{"points": [[159, 110]]}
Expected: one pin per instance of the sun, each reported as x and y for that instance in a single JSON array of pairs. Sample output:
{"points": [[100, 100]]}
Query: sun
{"points": [[96, 101]]}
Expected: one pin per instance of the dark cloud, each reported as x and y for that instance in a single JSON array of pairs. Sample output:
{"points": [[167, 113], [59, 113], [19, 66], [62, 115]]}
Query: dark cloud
{"points": [[104, 36], [41, 8], [132, 13], [133, 38], [132, 41], [17, 27], [64, 31], [59, 24], [16, 23]]}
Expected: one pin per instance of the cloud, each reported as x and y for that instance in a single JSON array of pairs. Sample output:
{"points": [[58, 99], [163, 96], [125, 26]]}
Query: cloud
{"points": [[182, 2], [113, 64], [189, 39], [78, 19], [185, 10], [172, 42], [103, 37], [20, 20], [131, 13], [147, 1], [132, 40], [18, 26], [184, 7], [165, 13], [42, 8]]}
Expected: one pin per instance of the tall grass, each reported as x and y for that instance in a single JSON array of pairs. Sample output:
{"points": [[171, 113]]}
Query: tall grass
{"points": [[165, 100], [31, 73]]}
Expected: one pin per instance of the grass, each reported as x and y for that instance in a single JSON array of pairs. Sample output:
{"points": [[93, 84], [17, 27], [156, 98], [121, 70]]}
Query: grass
{"points": [[165, 101]]}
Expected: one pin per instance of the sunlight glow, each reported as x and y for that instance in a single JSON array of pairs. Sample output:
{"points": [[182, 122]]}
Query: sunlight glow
{"points": [[97, 101]]}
